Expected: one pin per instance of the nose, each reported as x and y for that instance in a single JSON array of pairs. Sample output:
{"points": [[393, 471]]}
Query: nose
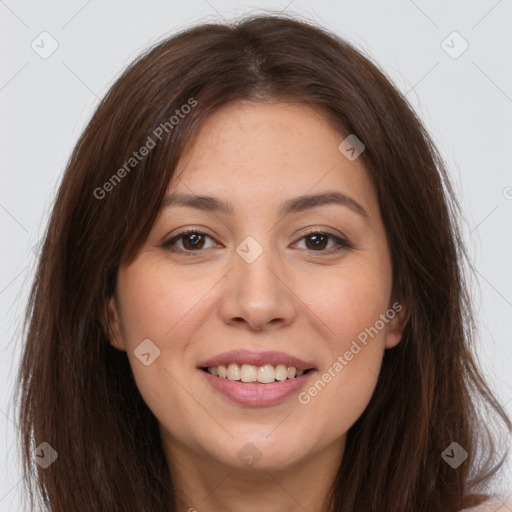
{"points": [[257, 296]]}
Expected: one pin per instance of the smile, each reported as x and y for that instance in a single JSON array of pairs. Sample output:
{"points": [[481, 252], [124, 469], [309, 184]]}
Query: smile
{"points": [[247, 373]]}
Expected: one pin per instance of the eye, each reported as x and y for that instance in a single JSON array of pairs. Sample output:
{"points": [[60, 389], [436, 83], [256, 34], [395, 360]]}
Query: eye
{"points": [[317, 241], [193, 241], [190, 240]]}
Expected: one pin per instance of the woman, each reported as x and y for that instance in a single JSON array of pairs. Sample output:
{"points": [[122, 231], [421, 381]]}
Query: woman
{"points": [[251, 294]]}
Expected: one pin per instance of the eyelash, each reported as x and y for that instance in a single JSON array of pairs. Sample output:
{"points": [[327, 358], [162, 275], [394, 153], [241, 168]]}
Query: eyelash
{"points": [[169, 244]]}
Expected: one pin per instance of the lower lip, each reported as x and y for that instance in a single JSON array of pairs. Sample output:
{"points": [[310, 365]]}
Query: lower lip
{"points": [[257, 394]]}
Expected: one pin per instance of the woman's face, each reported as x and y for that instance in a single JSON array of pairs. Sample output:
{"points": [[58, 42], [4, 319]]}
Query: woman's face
{"points": [[291, 269]]}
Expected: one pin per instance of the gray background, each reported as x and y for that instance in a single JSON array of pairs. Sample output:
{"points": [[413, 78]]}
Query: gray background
{"points": [[464, 99]]}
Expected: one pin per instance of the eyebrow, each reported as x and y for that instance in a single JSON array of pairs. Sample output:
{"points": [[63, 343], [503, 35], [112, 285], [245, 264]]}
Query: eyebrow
{"points": [[294, 205]]}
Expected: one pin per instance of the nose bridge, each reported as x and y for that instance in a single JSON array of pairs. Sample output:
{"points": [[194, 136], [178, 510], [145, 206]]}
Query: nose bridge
{"points": [[256, 292]]}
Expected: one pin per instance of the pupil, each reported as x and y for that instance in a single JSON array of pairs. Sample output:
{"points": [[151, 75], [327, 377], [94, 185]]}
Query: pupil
{"points": [[193, 239], [318, 241]]}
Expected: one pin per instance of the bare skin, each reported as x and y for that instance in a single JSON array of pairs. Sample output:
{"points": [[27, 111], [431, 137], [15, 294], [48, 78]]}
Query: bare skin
{"points": [[299, 296]]}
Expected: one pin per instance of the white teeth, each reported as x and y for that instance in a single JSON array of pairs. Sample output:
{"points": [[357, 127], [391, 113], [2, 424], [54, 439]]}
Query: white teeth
{"points": [[281, 372], [249, 373], [265, 374], [233, 372]]}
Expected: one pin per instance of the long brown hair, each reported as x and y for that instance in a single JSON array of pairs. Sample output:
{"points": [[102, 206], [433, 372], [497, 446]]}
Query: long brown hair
{"points": [[77, 393]]}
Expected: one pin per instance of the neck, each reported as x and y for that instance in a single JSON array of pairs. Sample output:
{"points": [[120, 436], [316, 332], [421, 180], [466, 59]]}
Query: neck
{"points": [[202, 483]]}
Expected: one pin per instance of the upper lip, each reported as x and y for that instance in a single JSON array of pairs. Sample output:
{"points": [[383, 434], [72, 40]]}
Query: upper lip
{"points": [[257, 359]]}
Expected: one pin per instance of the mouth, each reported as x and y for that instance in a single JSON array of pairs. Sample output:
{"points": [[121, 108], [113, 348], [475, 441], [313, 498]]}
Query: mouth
{"points": [[256, 379], [252, 374]]}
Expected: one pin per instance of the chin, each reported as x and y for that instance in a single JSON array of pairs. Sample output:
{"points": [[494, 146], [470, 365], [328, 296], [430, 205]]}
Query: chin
{"points": [[260, 452]]}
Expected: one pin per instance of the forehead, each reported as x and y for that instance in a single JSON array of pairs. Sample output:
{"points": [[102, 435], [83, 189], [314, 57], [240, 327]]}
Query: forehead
{"points": [[264, 152]]}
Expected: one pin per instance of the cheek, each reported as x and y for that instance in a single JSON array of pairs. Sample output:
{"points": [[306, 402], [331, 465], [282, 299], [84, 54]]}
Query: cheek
{"points": [[154, 306], [348, 311], [348, 302]]}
